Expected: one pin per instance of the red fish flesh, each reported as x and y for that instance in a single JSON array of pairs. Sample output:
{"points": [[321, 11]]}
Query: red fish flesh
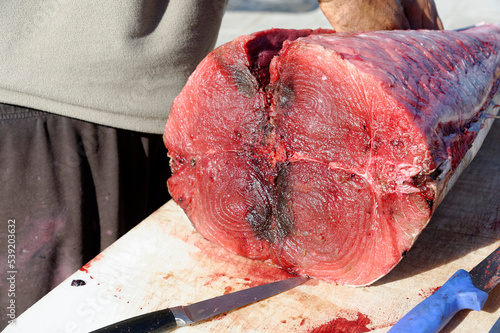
{"points": [[327, 153]]}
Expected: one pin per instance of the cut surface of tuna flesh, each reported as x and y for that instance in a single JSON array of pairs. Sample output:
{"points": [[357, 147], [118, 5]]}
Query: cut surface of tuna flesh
{"points": [[327, 153]]}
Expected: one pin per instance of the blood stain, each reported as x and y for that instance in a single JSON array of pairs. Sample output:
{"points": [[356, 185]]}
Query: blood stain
{"points": [[214, 277], [227, 290], [85, 268], [427, 293], [218, 317], [345, 326]]}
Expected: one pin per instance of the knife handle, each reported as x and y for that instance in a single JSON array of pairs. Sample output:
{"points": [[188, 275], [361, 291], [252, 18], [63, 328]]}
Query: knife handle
{"points": [[433, 313], [143, 323]]}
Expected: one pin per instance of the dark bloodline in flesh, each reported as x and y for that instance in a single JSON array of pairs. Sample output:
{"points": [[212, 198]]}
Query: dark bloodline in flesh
{"points": [[275, 219]]}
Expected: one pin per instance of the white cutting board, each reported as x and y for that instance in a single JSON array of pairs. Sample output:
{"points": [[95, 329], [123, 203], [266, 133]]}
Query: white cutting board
{"points": [[163, 262]]}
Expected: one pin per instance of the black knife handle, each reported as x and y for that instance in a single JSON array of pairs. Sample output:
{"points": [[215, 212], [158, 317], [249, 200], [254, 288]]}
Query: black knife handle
{"points": [[142, 324]]}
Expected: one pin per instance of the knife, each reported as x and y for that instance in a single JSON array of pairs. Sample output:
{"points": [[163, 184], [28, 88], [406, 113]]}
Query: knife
{"points": [[464, 290], [496, 327], [189, 314]]}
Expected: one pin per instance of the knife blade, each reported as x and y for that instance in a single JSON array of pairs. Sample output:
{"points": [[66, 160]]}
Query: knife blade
{"points": [[464, 290], [496, 327], [193, 313]]}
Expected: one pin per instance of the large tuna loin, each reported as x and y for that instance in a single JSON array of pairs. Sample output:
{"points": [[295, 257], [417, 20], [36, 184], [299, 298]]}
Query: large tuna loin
{"points": [[327, 153]]}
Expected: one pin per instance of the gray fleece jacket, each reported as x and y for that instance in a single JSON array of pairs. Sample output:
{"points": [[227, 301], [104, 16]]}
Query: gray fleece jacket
{"points": [[117, 63]]}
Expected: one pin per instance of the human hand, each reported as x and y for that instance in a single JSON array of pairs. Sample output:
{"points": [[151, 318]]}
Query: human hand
{"points": [[363, 15]]}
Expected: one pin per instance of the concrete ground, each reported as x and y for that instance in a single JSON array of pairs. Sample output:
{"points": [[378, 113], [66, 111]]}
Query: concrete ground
{"points": [[241, 19]]}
